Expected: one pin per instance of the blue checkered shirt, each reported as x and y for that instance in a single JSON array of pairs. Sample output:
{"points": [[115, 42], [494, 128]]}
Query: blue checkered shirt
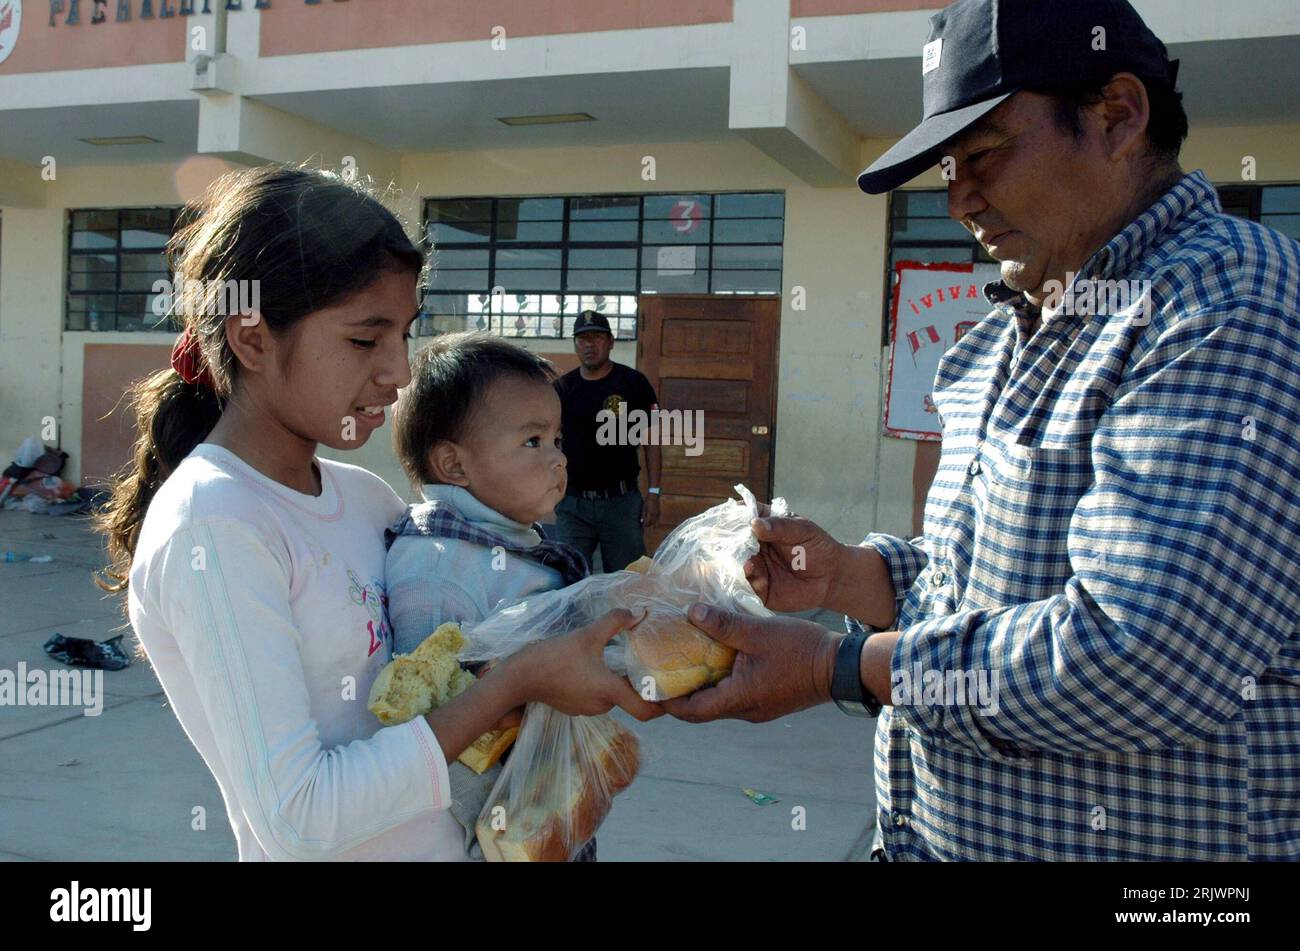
{"points": [[1112, 539]]}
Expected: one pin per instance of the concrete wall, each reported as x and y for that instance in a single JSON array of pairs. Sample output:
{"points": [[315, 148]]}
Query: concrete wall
{"points": [[827, 445], [40, 365], [830, 459], [30, 324]]}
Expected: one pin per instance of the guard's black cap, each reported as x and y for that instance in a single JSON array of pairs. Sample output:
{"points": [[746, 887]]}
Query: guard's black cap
{"points": [[591, 320], [982, 51]]}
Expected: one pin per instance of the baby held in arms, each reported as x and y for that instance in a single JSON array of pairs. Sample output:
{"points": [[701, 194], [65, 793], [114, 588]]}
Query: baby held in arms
{"points": [[478, 432]]}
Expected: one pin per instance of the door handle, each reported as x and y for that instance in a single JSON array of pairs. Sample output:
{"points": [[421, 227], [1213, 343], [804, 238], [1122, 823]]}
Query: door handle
{"points": [[758, 430]]}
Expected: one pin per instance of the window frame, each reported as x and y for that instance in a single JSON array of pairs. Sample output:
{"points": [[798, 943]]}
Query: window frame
{"points": [[162, 325], [1249, 195], [977, 253], [566, 245]]}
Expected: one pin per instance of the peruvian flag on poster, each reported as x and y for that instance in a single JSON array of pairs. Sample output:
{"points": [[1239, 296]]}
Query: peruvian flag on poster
{"points": [[934, 305], [919, 338]]}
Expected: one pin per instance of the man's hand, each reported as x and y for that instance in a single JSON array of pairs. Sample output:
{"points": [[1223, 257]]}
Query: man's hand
{"points": [[782, 665], [651, 516], [797, 564]]}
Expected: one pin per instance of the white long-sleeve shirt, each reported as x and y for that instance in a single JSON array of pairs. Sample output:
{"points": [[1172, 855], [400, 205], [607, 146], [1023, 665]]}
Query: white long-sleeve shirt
{"points": [[263, 613], [448, 579]]}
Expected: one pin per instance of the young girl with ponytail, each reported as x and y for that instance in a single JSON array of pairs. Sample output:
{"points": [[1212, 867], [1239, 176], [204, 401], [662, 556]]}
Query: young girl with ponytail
{"points": [[254, 569]]}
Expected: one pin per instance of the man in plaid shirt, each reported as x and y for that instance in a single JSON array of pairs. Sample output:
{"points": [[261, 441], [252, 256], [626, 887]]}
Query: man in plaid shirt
{"points": [[1093, 652]]}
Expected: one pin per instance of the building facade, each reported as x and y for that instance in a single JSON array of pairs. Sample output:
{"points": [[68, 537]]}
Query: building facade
{"points": [[686, 167]]}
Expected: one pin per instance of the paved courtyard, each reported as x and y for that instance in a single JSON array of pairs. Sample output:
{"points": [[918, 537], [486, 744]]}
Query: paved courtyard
{"points": [[124, 785]]}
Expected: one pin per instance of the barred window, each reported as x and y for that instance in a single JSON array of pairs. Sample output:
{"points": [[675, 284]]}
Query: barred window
{"points": [[114, 257], [526, 267], [1277, 206], [920, 230]]}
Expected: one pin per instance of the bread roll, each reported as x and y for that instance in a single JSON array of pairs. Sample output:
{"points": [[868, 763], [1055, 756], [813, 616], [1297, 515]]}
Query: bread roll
{"points": [[413, 684], [403, 689], [560, 808], [678, 657], [488, 748]]}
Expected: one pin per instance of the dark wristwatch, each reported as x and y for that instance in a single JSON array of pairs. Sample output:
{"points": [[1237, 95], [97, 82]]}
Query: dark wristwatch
{"points": [[847, 689]]}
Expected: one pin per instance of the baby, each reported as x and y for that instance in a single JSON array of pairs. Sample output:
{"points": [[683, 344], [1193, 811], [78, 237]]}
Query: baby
{"points": [[478, 432]]}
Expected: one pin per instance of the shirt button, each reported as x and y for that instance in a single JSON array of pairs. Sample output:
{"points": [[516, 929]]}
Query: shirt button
{"points": [[938, 579], [899, 819], [974, 467]]}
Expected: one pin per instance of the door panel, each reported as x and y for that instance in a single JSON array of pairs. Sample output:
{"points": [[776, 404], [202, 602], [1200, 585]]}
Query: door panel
{"points": [[717, 355], [713, 396]]}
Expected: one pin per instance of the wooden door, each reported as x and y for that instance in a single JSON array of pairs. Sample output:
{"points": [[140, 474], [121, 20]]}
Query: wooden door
{"points": [[716, 354]]}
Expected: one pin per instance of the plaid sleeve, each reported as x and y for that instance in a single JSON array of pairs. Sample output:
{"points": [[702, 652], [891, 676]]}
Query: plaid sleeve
{"points": [[1185, 551], [905, 561]]}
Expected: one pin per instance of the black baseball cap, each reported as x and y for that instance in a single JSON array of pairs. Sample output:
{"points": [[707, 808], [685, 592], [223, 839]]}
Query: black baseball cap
{"points": [[980, 52], [591, 320]]}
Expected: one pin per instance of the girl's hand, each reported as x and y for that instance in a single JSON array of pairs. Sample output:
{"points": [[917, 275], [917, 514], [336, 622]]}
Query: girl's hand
{"points": [[568, 671], [511, 719]]}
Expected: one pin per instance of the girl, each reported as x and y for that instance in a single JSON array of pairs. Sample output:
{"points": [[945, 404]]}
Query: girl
{"points": [[254, 569]]}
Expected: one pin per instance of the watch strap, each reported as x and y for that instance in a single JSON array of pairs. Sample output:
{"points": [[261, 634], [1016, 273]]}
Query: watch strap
{"points": [[846, 681]]}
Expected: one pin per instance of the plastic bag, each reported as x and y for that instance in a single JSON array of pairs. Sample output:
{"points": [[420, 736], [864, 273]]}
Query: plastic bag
{"points": [[557, 786], [563, 773], [703, 559], [29, 451]]}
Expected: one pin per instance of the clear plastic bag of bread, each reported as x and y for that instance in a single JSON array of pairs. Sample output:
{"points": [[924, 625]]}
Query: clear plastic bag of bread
{"points": [[557, 786], [664, 656], [562, 776], [702, 559]]}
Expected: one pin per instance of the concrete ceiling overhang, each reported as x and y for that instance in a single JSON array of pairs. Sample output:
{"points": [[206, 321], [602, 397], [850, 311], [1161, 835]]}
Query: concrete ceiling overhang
{"points": [[661, 106], [1224, 82], [28, 135], [1228, 82]]}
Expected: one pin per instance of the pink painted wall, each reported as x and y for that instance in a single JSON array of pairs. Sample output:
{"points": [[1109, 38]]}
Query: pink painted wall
{"points": [[294, 27], [299, 28], [85, 45], [825, 8], [107, 425]]}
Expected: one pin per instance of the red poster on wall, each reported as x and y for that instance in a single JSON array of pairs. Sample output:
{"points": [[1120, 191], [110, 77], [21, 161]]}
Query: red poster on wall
{"points": [[933, 306]]}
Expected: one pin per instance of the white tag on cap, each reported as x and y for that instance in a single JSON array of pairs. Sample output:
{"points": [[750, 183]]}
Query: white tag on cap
{"points": [[930, 55]]}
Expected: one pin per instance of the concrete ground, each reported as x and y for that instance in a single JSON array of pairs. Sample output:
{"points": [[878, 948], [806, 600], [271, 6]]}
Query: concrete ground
{"points": [[123, 786]]}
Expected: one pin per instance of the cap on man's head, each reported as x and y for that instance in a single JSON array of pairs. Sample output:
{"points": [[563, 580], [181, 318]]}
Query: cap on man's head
{"points": [[591, 320], [980, 52]]}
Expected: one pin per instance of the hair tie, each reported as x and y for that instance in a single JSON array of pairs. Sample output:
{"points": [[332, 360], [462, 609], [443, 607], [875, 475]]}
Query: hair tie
{"points": [[188, 361]]}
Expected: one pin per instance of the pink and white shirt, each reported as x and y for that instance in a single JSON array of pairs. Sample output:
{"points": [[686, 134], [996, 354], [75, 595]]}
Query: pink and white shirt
{"points": [[264, 614]]}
